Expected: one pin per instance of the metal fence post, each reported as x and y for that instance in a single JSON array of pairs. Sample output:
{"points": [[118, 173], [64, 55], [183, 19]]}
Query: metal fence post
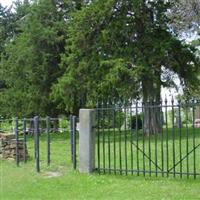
{"points": [[35, 150], [71, 135], [37, 142], [24, 134], [17, 141], [48, 139], [87, 140], [74, 141]]}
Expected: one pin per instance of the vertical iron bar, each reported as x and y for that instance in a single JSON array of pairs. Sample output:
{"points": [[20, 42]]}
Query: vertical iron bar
{"points": [[173, 139], [137, 140], [74, 142], [167, 150], [156, 146], [193, 139], [114, 146], [187, 139], [143, 137], [98, 136], [24, 134], [103, 129], [131, 137], [48, 140], [71, 135], [149, 104], [162, 148], [37, 142], [180, 135], [109, 160], [120, 151], [125, 139], [17, 140]]}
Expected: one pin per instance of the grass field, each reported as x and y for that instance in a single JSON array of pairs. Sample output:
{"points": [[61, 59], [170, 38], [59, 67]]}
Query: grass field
{"points": [[59, 181]]}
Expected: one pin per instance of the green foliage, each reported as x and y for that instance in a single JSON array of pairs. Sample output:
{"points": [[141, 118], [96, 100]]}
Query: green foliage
{"points": [[112, 120], [122, 49], [6, 126], [58, 56], [31, 61], [136, 121], [186, 117], [64, 123], [30, 64], [6, 26]]}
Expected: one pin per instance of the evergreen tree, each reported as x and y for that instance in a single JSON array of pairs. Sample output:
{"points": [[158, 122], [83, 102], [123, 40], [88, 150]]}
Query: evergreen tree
{"points": [[6, 31], [123, 49], [31, 61], [185, 20]]}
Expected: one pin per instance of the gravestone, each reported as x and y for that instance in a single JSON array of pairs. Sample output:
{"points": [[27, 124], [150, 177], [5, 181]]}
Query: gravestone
{"points": [[197, 117]]}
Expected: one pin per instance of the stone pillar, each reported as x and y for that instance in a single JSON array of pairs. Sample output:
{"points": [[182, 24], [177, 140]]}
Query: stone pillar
{"points": [[87, 140]]}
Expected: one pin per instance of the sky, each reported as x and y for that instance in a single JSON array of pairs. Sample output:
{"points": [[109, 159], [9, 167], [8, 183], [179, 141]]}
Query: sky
{"points": [[6, 2]]}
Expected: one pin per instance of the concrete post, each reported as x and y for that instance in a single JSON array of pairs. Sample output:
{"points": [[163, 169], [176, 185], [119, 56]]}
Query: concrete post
{"points": [[87, 140]]}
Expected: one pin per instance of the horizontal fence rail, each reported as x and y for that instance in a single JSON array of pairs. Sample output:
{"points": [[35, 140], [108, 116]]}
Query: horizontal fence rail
{"points": [[8, 125], [149, 139]]}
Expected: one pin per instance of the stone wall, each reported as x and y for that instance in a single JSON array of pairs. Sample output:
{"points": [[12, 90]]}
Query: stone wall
{"points": [[8, 147]]}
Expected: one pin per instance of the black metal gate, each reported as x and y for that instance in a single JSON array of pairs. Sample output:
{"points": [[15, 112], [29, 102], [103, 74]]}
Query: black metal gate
{"points": [[42, 130], [130, 141]]}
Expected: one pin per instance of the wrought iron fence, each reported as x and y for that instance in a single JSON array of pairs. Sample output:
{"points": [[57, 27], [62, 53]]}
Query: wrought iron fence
{"points": [[35, 128], [161, 139]]}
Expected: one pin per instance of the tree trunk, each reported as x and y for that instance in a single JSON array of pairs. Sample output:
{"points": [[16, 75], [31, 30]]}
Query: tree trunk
{"points": [[56, 125], [152, 111], [152, 119]]}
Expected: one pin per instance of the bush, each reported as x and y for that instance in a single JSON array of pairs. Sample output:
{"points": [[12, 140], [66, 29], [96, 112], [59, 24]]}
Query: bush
{"points": [[64, 123], [108, 120], [133, 121]]}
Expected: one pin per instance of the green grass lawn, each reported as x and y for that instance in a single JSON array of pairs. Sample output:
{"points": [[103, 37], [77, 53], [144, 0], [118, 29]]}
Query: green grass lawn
{"points": [[18, 183]]}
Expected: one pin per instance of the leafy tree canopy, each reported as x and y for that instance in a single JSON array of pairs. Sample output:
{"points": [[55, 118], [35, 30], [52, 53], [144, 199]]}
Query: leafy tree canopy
{"points": [[31, 61], [123, 49], [60, 55]]}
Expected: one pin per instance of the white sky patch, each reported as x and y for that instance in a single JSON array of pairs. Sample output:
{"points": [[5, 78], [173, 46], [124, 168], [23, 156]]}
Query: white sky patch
{"points": [[6, 2], [168, 93]]}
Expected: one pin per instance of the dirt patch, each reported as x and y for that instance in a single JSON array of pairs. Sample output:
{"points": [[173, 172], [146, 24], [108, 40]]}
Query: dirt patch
{"points": [[52, 174]]}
